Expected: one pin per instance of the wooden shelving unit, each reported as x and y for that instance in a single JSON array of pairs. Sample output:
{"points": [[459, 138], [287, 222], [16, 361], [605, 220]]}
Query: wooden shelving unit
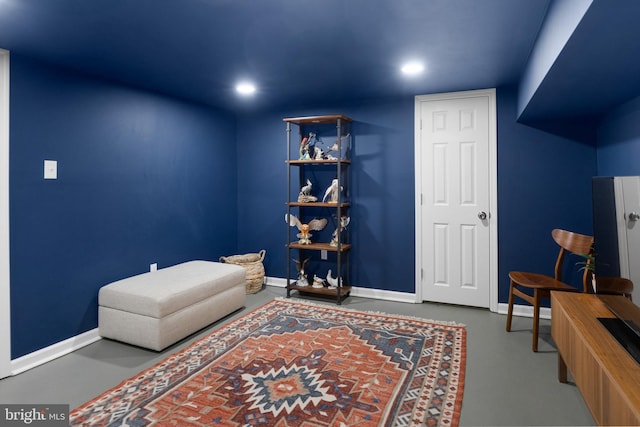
{"points": [[299, 169]]}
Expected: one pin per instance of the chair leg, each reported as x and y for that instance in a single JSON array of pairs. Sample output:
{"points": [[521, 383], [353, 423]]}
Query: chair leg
{"points": [[510, 310], [536, 319]]}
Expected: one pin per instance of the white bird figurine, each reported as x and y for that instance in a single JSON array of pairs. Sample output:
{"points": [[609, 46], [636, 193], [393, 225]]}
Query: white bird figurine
{"points": [[305, 194], [333, 282], [337, 145], [332, 192], [306, 190], [318, 282]]}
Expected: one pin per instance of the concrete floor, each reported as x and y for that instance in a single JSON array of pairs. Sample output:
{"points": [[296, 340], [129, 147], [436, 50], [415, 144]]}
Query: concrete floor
{"points": [[506, 383]]}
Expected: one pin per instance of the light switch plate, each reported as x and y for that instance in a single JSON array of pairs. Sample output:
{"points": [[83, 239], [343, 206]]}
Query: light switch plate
{"points": [[50, 169]]}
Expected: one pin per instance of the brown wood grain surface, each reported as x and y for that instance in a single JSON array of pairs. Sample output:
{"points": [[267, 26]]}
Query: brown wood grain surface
{"points": [[606, 375]]}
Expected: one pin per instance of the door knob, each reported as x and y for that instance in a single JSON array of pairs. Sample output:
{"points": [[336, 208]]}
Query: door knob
{"points": [[634, 216], [483, 215]]}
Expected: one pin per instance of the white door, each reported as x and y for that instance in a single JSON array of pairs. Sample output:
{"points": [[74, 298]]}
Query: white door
{"points": [[456, 212], [629, 237], [5, 328]]}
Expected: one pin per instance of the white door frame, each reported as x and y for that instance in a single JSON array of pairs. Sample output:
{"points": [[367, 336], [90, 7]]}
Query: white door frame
{"points": [[5, 306], [493, 188]]}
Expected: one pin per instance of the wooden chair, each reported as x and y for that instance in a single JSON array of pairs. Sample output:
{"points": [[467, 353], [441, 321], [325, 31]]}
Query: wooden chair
{"points": [[541, 285], [614, 286]]}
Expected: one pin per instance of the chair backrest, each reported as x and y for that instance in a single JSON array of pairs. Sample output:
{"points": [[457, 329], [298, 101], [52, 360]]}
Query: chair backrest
{"points": [[574, 243]]}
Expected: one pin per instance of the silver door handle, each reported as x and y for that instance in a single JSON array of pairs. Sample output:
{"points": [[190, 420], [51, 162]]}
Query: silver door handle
{"points": [[634, 216], [482, 215]]}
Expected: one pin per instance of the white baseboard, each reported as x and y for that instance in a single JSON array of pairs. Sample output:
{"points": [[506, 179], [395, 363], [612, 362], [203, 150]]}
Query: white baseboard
{"points": [[359, 292], [69, 345], [384, 295], [54, 351], [276, 282], [518, 310], [524, 310]]}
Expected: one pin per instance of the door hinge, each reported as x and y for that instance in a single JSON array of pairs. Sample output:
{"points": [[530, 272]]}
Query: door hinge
{"points": [[421, 274]]}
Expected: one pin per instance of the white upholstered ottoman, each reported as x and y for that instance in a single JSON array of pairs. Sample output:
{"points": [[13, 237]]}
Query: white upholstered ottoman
{"points": [[156, 309]]}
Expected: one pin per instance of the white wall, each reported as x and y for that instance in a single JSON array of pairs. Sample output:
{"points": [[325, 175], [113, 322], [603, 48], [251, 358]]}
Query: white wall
{"points": [[5, 317]]}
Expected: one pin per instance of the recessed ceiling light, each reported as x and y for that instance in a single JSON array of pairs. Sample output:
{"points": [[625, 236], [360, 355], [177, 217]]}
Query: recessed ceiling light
{"points": [[246, 88], [412, 68]]}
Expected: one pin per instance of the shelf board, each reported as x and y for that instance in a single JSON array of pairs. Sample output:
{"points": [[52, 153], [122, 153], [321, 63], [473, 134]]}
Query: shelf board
{"points": [[344, 290], [317, 120], [321, 204], [320, 247], [318, 162]]}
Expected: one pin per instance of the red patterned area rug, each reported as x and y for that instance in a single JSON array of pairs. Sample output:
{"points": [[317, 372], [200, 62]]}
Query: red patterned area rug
{"points": [[292, 363]]}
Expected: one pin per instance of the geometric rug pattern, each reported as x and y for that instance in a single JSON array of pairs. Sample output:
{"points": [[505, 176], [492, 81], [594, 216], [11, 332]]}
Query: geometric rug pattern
{"points": [[296, 363]]}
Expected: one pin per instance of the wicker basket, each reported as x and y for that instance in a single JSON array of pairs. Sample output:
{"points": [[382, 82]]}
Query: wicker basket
{"points": [[252, 263]]}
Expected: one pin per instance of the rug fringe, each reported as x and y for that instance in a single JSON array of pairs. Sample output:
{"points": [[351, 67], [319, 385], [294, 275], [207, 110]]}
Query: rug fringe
{"points": [[379, 313]]}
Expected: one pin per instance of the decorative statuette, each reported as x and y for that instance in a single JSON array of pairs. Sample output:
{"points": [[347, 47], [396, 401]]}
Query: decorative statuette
{"points": [[318, 282], [318, 154], [305, 146], [305, 236], [340, 147], [344, 222], [302, 275], [333, 282], [305, 194], [333, 192]]}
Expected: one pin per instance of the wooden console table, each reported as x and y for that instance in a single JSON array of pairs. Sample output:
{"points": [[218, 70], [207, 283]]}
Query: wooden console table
{"points": [[606, 375]]}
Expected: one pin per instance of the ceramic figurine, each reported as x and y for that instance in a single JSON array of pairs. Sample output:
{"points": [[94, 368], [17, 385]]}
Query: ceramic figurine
{"points": [[318, 282], [306, 190], [344, 222], [333, 283], [304, 149], [333, 192], [305, 194], [302, 275], [305, 236], [339, 148], [305, 146]]}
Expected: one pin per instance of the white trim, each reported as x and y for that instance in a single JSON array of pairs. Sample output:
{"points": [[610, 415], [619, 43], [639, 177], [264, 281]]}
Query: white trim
{"points": [[493, 188], [5, 299], [385, 295], [277, 282], [621, 227], [54, 351], [72, 344], [62, 348], [524, 310], [501, 308], [380, 294]]}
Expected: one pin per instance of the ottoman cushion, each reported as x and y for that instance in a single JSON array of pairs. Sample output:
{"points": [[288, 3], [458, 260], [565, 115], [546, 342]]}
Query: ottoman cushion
{"points": [[160, 293]]}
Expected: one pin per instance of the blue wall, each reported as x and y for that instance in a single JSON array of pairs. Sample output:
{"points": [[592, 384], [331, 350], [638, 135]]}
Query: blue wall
{"points": [[619, 141], [141, 179], [145, 178], [382, 181], [544, 182], [561, 21]]}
